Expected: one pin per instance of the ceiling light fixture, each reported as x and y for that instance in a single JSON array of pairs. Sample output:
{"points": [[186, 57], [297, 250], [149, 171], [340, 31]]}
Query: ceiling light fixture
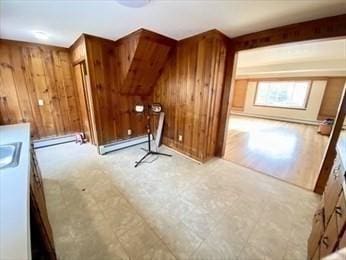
{"points": [[41, 35], [134, 3]]}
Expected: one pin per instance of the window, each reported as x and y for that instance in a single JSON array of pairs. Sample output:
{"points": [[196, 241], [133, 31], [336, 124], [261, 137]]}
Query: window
{"points": [[287, 94]]}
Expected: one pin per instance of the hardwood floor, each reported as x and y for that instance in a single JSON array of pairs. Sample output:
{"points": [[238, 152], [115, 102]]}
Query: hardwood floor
{"points": [[288, 151]]}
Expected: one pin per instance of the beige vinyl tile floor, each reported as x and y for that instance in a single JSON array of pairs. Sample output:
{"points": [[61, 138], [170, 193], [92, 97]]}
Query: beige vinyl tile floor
{"points": [[101, 207]]}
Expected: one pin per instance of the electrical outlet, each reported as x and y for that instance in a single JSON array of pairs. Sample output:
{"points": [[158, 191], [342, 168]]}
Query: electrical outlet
{"points": [[129, 132], [180, 138], [40, 102]]}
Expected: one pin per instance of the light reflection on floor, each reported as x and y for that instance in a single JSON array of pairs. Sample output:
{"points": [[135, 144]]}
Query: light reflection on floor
{"points": [[272, 144], [289, 151], [268, 140]]}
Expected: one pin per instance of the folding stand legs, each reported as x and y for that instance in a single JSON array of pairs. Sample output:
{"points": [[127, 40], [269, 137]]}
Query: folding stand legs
{"points": [[149, 153]]}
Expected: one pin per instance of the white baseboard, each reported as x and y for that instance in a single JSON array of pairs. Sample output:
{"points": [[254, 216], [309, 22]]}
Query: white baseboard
{"points": [[285, 119], [103, 149], [54, 141]]}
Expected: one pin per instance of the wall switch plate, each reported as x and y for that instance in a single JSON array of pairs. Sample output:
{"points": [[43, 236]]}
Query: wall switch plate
{"points": [[40, 102], [129, 132], [180, 138]]}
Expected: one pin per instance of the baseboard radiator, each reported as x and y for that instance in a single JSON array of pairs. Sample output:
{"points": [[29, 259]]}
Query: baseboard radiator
{"points": [[103, 149], [53, 141]]}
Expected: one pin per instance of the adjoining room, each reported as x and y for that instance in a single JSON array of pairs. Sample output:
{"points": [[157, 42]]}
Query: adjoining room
{"points": [[284, 100]]}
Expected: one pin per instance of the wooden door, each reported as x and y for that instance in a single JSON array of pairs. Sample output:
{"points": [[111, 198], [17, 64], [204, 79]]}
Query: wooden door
{"points": [[330, 238], [239, 94], [333, 189], [80, 73]]}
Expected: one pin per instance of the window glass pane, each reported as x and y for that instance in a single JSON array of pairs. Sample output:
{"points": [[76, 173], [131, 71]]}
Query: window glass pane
{"points": [[292, 94]]}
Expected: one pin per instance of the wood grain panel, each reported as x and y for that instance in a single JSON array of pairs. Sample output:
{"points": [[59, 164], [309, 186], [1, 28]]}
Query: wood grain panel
{"points": [[331, 98], [148, 53], [30, 72], [84, 105], [114, 114], [239, 94], [78, 50], [79, 59], [190, 90]]}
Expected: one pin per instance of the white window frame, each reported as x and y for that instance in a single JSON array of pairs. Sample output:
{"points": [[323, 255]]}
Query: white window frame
{"points": [[304, 107]]}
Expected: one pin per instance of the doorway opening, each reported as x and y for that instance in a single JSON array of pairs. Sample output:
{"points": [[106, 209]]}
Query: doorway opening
{"points": [[81, 78], [280, 97]]}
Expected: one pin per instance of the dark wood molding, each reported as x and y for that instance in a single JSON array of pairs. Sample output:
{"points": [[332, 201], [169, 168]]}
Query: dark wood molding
{"points": [[225, 102], [329, 27], [329, 156]]}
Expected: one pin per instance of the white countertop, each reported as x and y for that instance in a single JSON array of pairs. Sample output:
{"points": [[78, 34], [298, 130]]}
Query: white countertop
{"points": [[15, 197]]}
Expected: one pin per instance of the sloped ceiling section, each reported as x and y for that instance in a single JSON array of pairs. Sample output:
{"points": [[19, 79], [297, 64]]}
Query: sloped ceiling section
{"points": [[143, 56]]}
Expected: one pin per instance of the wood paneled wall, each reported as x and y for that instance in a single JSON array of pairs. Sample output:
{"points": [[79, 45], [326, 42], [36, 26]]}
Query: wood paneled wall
{"points": [[29, 72], [239, 94], [122, 74], [190, 90], [147, 54], [331, 98]]}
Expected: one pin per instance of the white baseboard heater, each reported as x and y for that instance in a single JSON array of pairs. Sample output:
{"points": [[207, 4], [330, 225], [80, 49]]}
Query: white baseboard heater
{"points": [[54, 141], [103, 149]]}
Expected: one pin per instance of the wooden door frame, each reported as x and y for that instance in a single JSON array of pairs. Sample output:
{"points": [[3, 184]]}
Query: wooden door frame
{"points": [[324, 28], [330, 152], [83, 71]]}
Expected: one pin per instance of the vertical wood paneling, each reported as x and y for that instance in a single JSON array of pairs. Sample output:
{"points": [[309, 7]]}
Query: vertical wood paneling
{"points": [[331, 98], [10, 109], [98, 52], [239, 94], [115, 66], [30, 72], [190, 90], [79, 58]]}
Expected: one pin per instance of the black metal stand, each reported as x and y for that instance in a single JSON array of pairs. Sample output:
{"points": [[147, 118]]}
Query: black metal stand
{"points": [[149, 151]]}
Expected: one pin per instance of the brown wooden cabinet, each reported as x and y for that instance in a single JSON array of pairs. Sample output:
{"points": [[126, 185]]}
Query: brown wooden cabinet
{"points": [[330, 238], [333, 189], [316, 255], [340, 212], [317, 230], [342, 242], [328, 226], [42, 242]]}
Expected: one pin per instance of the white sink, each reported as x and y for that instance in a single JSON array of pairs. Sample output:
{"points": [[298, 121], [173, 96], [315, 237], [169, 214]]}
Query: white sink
{"points": [[9, 155]]}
